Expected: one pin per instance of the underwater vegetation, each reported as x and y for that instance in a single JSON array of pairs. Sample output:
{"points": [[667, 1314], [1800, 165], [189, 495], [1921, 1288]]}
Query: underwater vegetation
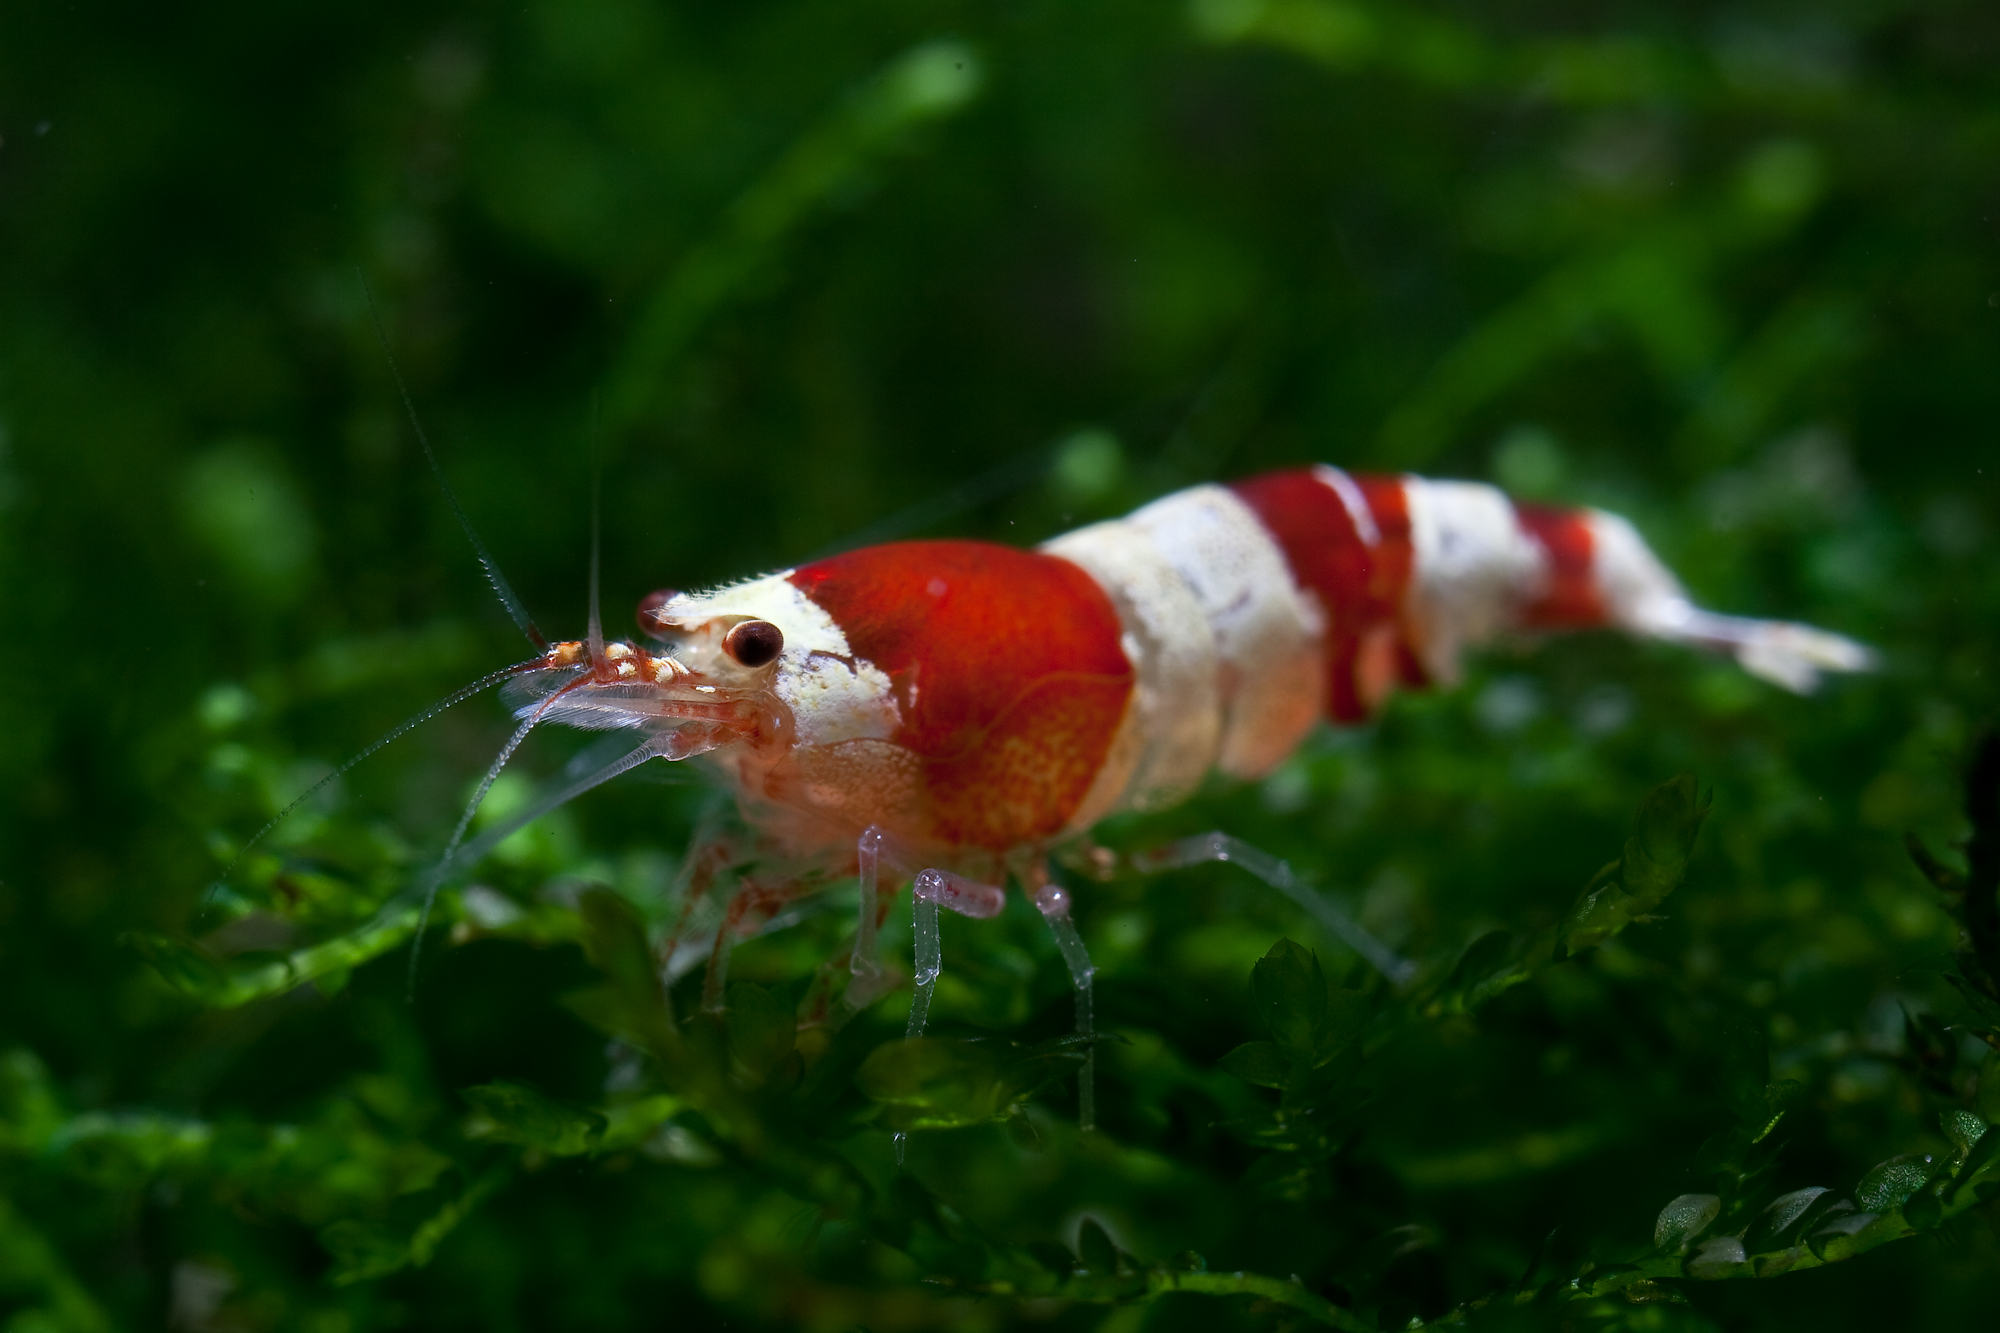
{"points": [[1704, 1027]]}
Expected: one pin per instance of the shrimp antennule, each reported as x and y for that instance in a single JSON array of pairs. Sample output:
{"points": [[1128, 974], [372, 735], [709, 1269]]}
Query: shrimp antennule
{"points": [[516, 611], [407, 725], [656, 745]]}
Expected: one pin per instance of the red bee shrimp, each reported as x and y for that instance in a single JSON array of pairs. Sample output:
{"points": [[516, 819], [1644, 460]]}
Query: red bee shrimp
{"points": [[945, 713]]}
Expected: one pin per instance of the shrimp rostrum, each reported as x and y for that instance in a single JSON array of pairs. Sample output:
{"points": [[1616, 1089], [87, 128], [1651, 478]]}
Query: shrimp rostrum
{"points": [[947, 713]]}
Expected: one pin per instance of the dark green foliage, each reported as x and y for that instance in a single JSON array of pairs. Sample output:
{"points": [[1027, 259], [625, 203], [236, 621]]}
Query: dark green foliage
{"points": [[805, 275]]}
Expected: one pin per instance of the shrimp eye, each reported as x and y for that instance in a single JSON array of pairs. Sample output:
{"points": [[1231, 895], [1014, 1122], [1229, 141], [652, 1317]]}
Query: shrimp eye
{"points": [[754, 643], [651, 607]]}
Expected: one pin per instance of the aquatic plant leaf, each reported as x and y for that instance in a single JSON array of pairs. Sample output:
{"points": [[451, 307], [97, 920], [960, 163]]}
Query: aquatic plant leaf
{"points": [[1095, 1249], [1480, 960], [1964, 1129], [1782, 1217], [762, 1025], [1289, 992], [1981, 1162], [1684, 1218], [1923, 1210], [940, 1082], [1718, 1256], [632, 1003], [1655, 861], [1889, 1183], [363, 1250], [1264, 1063], [517, 1113]]}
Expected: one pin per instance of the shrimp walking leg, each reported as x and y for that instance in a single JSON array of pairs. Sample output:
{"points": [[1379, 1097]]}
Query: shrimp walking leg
{"points": [[864, 969], [761, 901], [707, 857], [1222, 847], [934, 889], [1053, 903]]}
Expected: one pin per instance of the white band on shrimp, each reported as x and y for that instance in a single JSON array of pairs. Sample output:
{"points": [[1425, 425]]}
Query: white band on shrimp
{"points": [[1169, 736], [1474, 566], [1267, 632]]}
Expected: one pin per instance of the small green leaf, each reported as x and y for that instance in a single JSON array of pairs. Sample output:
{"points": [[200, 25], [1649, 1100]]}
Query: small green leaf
{"points": [[1948, 881], [1718, 1257], [614, 939], [1777, 1099], [1347, 1015], [1603, 1279], [1889, 1183], [1964, 1129], [1836, 1236], [1647, 1291], [1818, 1211], [516, 1113], [940, 1082], [1986, 1093], [1923, 1210], [1683, 1219], [1263, 1063], [763, 1026], [1662, 841], [1774, 1226], [1979, 1162], [182, 965], [1289, 992], [30, 1112], [1481, 959], [632, 1004], [1052, 1256], [362, 1251], [1094, 1248], [1781, 1261]]}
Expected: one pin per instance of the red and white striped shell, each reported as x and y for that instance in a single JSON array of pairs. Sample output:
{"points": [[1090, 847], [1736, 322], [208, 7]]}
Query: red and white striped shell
{"points": [[968, 698]]}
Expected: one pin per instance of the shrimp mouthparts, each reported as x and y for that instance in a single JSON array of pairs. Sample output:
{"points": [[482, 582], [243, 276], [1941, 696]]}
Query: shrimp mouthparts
{"points": [[599, 686], [622, 686]]}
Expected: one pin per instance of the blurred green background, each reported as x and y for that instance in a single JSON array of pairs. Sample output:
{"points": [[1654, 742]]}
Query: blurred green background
{"points": [[805, 275]]}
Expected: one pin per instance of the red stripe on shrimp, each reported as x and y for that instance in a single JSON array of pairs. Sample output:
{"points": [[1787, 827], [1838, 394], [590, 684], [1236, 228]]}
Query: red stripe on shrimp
{"points": [[1570, 599], [1006, 666], [1347, 541]]}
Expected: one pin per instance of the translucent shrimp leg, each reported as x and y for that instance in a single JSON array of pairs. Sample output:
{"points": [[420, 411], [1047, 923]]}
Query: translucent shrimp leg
{"points": [[934, 889], [749, 897], [1208, 847], [864, 969], [1052, 900], [931, 890]]}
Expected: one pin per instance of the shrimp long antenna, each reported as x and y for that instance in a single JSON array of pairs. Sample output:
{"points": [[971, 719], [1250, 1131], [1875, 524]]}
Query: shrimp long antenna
{"points": [[407, 725], [595, 635], [494, 578], [471, 852], [492, 775]]}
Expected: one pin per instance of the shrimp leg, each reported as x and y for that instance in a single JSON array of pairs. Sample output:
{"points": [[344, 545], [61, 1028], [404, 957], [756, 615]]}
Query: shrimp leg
{"points": [[933, 889], [1052, 900], [1218, 846], [864, 969]]}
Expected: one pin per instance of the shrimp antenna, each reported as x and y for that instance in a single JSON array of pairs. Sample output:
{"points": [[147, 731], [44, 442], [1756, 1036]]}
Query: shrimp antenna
{"points": [[435, 879], [494, 578], [407, 725], [470, 853], [595, 635]]}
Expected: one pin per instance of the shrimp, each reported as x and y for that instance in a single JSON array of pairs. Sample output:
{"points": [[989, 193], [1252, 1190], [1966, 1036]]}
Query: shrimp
{"points": [[948, 713]]}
